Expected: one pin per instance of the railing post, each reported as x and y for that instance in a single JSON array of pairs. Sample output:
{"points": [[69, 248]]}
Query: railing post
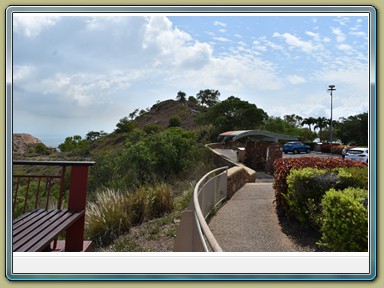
{"points": [[77, 201]]}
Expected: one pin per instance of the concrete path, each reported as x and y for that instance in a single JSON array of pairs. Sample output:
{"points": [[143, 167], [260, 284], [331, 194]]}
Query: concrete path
{"points": [[248, 222]]}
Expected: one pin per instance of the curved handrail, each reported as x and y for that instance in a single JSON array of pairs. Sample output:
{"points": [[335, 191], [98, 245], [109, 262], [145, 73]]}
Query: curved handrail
{"points": [[193, 234], [201, 218]]}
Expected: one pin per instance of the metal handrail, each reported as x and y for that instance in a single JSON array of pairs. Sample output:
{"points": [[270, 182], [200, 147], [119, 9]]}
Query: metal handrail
{"points": [[193, 234], [201, 218]]}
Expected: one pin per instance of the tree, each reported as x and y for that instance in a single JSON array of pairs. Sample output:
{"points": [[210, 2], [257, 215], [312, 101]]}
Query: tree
{"points": [[94, 135], [293, 119], [124, 125], [275, 124], [75, 143], [233, 114], [133, 114], [308, 121], [41, 149], [278, 125], [181, 97], [354, 129], [321, 123], [208, 97], [192, 100], [160, 154]]}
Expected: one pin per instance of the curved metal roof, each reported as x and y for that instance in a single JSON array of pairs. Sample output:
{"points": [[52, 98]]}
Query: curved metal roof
{"points": [[261, 135]]}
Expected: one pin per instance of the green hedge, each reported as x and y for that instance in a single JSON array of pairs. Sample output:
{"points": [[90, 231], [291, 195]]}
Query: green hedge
{"points": [[345, 220], [307, 186], [284, 166]]}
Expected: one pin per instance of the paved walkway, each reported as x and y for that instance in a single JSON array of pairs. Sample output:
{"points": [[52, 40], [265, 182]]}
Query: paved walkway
{"points": [[248, 222]]}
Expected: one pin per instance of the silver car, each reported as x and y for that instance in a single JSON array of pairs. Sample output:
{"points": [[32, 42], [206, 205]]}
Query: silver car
{"points": [[357, 153]]}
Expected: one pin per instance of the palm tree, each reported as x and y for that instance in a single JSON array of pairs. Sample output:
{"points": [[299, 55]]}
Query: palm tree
{"points": [[321, 123], [309, 121]]}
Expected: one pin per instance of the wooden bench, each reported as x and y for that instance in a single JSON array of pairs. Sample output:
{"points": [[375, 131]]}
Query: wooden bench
{"points": [[35, 231]]}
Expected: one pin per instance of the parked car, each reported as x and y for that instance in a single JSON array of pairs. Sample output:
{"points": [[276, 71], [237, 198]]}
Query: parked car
{"points": [[357, 153], [295, 147]]}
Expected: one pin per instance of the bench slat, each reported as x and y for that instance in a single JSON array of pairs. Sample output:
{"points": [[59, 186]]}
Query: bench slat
{"points": [[26, 223], [42, 227], [39, 221], [47, 238]]}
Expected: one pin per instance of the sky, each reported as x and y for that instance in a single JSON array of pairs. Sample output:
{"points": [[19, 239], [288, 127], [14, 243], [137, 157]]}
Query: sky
{"points": [[75, 74]]}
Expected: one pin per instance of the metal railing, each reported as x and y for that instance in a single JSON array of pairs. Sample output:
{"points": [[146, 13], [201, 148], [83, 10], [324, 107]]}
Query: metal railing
{"points": [[194, 234], [32, 191], [41, 184]]}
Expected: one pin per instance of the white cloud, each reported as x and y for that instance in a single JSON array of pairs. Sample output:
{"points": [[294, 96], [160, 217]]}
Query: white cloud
{"points": [[22, 72], [88, 89], [160, 33], [340, 36], [295, 79], [354, 77], [315, 36], [342, 20], [294, 41], [358, 33], [273, 45], [258, 46], [221, 39], [31, 25], [101, 23], [221, 24], [344, 47]]}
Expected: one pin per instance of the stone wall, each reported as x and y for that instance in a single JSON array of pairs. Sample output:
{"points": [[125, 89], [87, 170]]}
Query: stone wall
{"points": [[220, 161], [215, 145], [274, 152], [261, 155], [238, 176]]}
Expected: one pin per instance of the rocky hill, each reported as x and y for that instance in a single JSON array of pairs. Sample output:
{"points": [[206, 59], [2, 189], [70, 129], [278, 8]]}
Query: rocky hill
{"points": [[22, 143], [160, 113]]}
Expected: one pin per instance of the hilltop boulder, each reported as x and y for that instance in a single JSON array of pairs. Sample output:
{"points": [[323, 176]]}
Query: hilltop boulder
{"points": [[22, 143]]}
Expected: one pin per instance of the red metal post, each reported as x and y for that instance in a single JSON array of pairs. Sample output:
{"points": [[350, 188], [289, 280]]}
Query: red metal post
{"points": [[77, 201]]}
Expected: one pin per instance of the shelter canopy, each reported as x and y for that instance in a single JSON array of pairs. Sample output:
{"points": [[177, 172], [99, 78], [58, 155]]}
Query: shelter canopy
{"points": [[260, 135]]}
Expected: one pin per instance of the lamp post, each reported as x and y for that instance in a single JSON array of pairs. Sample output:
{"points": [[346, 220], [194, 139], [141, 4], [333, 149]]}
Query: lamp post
{"points": [[331, 89]]}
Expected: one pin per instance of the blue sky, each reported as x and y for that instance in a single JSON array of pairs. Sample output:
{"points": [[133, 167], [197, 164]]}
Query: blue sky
{"points": [[75, 74]]}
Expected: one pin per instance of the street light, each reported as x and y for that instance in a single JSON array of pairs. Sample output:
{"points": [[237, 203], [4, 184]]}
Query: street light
{"points": [[331, 89]]}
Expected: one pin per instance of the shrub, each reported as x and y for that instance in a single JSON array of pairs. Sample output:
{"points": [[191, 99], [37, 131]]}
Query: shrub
{"points": [[174, 121], [160, 200], [152, 128], [307, 186], [108, 217], [333, 148], [283, 167], [345, 220], [353, 177], [113, 213], [138, 206]]}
